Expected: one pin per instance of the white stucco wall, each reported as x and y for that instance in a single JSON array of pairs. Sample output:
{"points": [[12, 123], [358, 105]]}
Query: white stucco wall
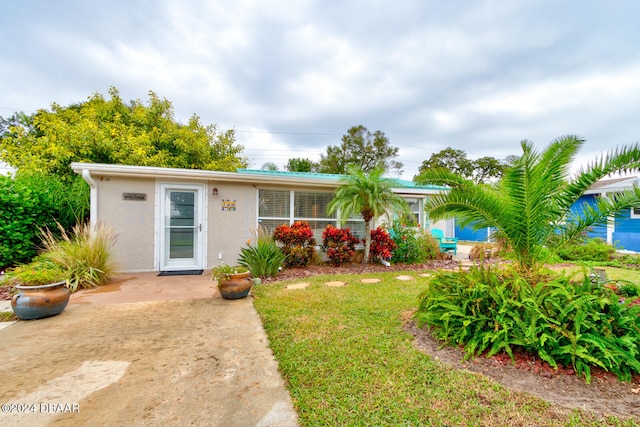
{"points": [[135, 221], [132, 220], [226, 231]]}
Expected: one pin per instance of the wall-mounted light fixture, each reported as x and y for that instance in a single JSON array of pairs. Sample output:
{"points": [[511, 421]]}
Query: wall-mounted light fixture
{"points": [[215, 191]]}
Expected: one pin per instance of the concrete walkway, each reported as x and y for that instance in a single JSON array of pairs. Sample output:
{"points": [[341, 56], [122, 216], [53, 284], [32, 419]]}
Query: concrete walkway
{"points": [[214, 373], [145, 350]]}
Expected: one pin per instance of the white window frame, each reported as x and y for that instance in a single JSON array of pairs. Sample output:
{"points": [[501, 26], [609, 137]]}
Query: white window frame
{"points": [[292, 218], [635, 215]]}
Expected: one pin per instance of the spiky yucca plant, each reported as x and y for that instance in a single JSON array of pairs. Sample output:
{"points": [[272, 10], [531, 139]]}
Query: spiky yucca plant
{"points": [[263, 259], [531, 205]]}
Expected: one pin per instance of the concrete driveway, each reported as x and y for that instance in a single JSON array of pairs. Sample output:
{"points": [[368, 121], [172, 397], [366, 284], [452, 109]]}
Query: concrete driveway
{"points": [[145, 350]]}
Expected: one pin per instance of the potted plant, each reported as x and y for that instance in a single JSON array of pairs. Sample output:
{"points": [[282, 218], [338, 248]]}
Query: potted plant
{"points": [[41, 290], [233, 281]]}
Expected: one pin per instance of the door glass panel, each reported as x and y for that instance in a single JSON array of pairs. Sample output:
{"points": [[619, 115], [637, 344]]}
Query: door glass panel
{"points": [[181, 229], [182, 244]]}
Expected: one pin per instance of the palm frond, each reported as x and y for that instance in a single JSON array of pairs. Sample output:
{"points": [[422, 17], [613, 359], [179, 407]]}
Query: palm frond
{"points": [[531, 202], [580, 220], [621, 159]]}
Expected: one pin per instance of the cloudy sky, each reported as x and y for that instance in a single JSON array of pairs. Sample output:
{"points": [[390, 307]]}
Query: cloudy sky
{"points": [[292, 76]]}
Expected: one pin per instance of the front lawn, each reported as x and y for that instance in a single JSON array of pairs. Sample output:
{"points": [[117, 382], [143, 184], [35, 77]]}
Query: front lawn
{"points": [[347, 361]]}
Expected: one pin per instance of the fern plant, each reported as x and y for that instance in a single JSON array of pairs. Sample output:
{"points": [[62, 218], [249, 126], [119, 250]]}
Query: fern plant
{"points": [[576, 324]]}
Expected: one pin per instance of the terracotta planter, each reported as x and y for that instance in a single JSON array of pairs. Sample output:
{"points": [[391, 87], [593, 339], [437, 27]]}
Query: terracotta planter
{"points": [[236, 287], [37, 302]]}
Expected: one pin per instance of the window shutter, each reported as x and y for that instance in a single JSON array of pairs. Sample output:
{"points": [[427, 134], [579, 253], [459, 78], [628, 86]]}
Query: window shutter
{"points": [[312, 205], [273, 204]]}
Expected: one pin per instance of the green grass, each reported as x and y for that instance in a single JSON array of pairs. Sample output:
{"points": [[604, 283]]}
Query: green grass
{"points": [[7, 316], [613, 273], [347, 361]]}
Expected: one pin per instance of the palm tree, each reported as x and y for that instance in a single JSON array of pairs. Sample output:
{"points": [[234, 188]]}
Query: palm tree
{"points": [[367, 194], [531, 205]]}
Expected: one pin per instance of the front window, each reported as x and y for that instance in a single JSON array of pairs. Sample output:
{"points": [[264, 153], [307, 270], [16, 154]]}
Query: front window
{"points": [[278, 207], [274, 209], [414, 208], [635, 213]]}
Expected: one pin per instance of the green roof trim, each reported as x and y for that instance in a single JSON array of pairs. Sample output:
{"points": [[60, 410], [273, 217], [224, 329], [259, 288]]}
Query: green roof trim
{"points": [[403, 183], [327, 176], [398, 183]]}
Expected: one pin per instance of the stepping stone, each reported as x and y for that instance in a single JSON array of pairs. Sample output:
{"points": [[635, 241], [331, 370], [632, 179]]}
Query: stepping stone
{"points": [[425, 275], [5, 306], [298, 285], [404, 277], [371, 280], [335, 284]]}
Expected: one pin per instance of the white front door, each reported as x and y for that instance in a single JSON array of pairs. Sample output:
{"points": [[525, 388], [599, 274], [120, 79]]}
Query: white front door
{"points": [[181, 224]]}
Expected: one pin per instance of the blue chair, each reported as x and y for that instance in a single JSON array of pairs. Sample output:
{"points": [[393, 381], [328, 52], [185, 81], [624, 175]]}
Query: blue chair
{"points": [[446, 243]]}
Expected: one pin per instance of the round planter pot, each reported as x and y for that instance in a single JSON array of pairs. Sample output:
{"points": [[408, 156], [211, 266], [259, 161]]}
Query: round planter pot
{"points": [[236, 287], [37, 302]]}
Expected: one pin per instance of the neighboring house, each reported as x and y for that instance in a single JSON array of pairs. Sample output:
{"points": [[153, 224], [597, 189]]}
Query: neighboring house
{"points": [[624, 229], [183, 219], [471, 235]]}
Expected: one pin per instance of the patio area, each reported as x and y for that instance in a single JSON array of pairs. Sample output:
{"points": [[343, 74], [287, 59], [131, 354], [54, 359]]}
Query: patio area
{"points": [[145, 350]]}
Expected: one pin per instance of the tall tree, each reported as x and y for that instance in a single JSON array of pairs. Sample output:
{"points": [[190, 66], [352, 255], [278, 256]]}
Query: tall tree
{"points": [[367, 194], [486, 168], [299, 164], [531, 205], [456, 161], [363, 149], [269, 166], [109, 131]]}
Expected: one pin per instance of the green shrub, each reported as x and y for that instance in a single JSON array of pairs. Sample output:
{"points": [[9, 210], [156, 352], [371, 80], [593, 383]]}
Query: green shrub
{"points": [[31, 202], [223, 272], [630, 261], [264, 259], [413, 244], [588, 250], [38, 272], [298, 243], [629, 290], [85, 256], [573, 324]]}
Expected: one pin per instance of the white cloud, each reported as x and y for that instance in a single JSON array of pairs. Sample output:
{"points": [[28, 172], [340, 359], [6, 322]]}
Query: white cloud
{"points": [[430, 74]]}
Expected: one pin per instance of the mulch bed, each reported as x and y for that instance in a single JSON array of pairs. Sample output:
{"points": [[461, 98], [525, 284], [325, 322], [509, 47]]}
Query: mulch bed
{"points": [[325, 269], [5, 292]]}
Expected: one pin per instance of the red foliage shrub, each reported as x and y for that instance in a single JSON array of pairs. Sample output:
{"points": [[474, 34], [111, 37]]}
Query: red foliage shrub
{"points": [[382, 245], [297, 241], [339, 244]]}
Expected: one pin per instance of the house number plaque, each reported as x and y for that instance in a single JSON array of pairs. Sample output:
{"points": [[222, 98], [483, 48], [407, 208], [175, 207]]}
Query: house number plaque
{"points": [[228, 205]]}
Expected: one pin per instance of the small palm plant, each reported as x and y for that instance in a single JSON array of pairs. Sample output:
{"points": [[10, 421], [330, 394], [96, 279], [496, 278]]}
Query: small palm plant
{"points": [[369, 195], [531, 206]]}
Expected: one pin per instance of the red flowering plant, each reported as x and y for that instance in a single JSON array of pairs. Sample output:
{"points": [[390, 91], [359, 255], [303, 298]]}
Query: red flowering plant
{"points": [[382, 245], [297, 243], [339, 244]]}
